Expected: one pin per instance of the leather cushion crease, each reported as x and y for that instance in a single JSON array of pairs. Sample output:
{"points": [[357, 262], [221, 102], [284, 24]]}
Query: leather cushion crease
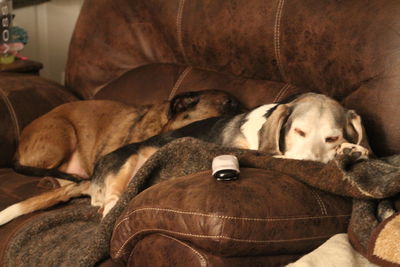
{"points": [[183, 254], [177, 79]]}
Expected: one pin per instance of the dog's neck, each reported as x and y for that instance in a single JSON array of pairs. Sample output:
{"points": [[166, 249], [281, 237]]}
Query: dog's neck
{"points": [[153, 120], [253, 122]]}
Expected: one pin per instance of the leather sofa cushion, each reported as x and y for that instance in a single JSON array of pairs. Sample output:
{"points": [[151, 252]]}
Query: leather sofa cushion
{"points": [[262, 213], [164, 250], [22, 99], [311, 44], [163, 81]]}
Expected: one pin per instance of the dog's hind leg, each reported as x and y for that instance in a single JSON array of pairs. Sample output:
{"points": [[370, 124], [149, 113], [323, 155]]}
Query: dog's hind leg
{"points": [[54, 147], [46, 147], [116, 183], [113, 171], [44, 200]]}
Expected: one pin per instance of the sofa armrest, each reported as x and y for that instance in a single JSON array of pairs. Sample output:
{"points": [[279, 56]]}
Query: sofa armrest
{"points": [[263, 214], [22, 99]]}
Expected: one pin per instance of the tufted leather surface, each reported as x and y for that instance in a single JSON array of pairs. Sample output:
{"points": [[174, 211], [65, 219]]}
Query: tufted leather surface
{"points": [[262, 213]]}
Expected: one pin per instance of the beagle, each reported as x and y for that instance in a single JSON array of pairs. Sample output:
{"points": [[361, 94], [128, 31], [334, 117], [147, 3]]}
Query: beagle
{"points": [[306, 127]]}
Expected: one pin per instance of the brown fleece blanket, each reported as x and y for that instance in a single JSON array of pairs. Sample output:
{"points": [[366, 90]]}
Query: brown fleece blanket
{"points": [[75, 235]]}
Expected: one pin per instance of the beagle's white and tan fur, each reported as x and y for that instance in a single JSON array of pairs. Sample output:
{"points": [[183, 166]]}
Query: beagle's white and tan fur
{"points": [[305, 127]]}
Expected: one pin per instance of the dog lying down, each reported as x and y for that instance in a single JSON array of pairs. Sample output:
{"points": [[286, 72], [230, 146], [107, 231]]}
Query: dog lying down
{"points": [[305, 127], [73, 136]]}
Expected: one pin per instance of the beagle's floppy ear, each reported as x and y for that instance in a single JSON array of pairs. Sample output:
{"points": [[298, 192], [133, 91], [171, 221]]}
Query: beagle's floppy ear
{"points": [[269, 134], [354, 130], [183, 102]]}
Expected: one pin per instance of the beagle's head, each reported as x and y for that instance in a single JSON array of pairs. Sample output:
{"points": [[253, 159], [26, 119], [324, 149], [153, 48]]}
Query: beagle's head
{"points": [[310, 127]]}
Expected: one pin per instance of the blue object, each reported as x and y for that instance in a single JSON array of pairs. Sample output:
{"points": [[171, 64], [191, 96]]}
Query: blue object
{"points": [[19, 35]]}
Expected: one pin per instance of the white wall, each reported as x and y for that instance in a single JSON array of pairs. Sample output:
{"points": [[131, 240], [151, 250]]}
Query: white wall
{"points": [[49, 27]]}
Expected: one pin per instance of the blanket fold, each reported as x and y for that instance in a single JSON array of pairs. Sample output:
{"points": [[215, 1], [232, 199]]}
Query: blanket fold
{"points": [[53, 234]]}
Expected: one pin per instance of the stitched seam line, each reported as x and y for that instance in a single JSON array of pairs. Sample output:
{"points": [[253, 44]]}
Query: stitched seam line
{"points": [[277, 33], [179, 18], [224, 217], [202, 259], [278, 95], [179, 82], [221, 233], [281, 92], [320, 202], [12, 114], [118, 254]]}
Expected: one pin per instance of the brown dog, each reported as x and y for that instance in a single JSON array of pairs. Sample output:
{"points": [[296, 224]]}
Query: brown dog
{"points": [[72, 137]]}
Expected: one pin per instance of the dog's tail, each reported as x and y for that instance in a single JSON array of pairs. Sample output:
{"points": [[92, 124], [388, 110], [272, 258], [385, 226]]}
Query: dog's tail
{"points": [[40, 172], [44, 200]]}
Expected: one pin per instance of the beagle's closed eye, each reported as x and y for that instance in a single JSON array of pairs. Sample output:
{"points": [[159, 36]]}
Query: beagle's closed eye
{"points": [[331, 139], [300, 132]]}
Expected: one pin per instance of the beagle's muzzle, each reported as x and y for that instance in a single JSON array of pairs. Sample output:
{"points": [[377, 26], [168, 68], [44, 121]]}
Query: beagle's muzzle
{"points": [[307, 127]]}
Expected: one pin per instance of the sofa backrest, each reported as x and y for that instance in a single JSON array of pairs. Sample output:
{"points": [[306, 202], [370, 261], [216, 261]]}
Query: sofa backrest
{"points": [[142, 51]]}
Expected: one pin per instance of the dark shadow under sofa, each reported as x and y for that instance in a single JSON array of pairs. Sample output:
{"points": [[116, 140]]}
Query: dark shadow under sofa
{"points": [[145, 51]]}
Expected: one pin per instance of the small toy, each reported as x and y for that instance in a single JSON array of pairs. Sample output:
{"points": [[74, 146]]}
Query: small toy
{"points": [[10, 51], [225, 168]]}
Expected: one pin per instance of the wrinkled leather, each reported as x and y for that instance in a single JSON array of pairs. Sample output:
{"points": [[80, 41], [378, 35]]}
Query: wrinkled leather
{"points": [[173, 79], [163, 250], [262, 213]]}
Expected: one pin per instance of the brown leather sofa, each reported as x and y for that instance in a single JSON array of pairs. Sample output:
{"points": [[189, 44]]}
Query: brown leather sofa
{"points": [[144, 51]]}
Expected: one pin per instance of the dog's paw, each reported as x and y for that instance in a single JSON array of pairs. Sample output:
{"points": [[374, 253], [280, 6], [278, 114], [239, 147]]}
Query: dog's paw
{"points": [[353, 151], [385, 210]]}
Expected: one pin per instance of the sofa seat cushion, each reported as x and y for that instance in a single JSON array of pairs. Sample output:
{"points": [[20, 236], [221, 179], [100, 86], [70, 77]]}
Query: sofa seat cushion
{"points": [[261, 213], [172, 79]]}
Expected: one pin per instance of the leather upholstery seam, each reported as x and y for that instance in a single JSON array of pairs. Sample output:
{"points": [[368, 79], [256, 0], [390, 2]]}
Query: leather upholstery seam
{"points": [[320, 202], [13, 115], [179, 82], [179, 18], [221, 233], [219, 237], [277, 36], [225, 217], [282, 92], [203, 261]]}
